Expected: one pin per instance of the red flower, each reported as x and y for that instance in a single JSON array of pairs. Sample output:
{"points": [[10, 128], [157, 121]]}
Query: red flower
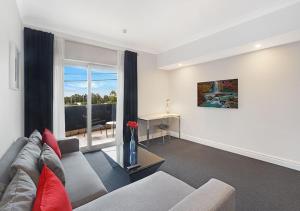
{"points": [[132, 124]]}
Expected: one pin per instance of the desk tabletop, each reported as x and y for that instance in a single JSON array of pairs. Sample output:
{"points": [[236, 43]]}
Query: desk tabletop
{"points": [[158, 116]]}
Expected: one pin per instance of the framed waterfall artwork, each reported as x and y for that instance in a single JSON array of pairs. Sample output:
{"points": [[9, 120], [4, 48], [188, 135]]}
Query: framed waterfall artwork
{"points": [[218, 94], [14, 67]]}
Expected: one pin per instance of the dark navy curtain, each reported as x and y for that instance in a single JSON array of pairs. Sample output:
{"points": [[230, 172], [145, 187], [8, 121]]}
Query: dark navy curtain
{"points": [[38, 80], [130, 93]]}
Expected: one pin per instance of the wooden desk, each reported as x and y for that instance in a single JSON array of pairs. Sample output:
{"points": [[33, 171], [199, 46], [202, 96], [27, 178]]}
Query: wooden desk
{"points": [[149, 117]]}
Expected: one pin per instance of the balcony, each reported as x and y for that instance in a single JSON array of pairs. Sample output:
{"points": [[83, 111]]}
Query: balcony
{"points": [[103, 123]]}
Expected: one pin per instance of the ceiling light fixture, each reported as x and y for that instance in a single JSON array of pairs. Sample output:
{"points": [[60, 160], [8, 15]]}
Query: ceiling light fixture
{"points": [[257, 46]]}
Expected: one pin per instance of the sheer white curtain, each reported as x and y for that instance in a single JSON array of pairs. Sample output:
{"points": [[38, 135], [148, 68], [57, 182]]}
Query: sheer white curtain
{"points": [[58, 89], [120, 104], [120, 101]]}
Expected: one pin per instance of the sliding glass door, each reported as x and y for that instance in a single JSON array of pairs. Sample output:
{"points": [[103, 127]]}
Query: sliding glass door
{"points": [[104, 99], [76, 101], [93, 119]]}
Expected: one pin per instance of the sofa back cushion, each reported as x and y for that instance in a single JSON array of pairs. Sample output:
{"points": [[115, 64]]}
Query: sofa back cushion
{"points": [[6, 161], [19, 194], [50, 158], [27, 160]]}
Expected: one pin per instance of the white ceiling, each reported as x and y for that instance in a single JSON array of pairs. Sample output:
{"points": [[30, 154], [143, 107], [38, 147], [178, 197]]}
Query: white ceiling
{"points": [[152, 25]]}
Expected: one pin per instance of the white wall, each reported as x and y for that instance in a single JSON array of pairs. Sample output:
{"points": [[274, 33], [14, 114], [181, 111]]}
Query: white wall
{"points": [[152, 85], [267, 123], [152, 89], [11, 106]]}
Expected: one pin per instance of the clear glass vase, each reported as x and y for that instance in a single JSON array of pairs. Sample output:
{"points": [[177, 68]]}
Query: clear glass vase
{"points": [[132, 148]]}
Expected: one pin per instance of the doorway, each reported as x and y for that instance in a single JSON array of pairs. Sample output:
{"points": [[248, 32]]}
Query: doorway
{"points": [[90, 105]]}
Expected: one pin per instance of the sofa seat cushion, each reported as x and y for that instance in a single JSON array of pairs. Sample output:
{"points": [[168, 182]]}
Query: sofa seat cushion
{"points": [[159, 191], [82, 183]]}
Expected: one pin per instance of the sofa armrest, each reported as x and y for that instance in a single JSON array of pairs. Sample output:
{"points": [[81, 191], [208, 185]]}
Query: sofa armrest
{"points": [[212, 196], [68, 145]]}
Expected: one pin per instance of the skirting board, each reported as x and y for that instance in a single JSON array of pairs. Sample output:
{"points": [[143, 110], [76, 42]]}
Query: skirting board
{"points": [[245, 152], [152, 136]]}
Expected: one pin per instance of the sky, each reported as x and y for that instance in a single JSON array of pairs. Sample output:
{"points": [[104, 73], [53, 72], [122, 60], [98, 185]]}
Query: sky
{"points": [[75, 81]]}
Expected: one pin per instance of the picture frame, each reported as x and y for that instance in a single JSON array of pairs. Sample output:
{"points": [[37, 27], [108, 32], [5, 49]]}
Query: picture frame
{"points": [[14, 67], [218, 94]]}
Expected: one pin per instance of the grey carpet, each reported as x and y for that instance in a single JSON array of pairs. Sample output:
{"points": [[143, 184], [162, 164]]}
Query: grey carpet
{"points": [[260, 186], [111, 174]]}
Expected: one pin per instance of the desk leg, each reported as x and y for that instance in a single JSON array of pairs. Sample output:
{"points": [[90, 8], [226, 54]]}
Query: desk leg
{"points": [[179, 126], [168, 131], [148, 129], [113, 129]]}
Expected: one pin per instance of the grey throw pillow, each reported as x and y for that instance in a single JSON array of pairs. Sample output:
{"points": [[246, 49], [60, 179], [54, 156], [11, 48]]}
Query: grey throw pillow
{"points": [[50, 158], [27, 160], [2, 189], [19, 194], [36, 138], [7, 159]]}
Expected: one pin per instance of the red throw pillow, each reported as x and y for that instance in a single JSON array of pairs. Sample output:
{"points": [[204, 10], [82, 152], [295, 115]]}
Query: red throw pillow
{"points": [[51, 194], [50, 139]]}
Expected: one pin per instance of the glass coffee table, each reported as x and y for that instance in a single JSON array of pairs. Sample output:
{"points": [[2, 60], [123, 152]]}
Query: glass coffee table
{"points": [[138, 164]]}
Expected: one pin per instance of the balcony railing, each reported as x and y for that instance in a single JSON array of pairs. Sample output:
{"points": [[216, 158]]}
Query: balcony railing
{"points": [[76, 117]]}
